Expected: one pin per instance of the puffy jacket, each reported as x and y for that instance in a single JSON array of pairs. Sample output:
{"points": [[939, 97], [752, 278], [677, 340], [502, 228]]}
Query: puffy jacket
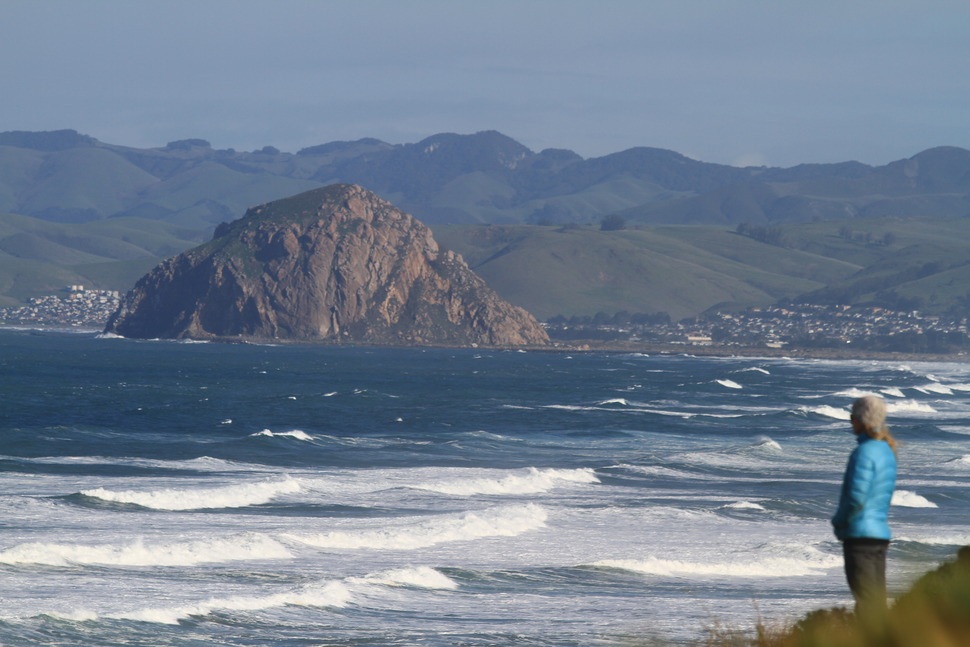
{"points": [[867, 489]]}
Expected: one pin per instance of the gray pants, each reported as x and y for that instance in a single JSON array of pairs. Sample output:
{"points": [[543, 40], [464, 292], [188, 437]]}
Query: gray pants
{"points": [[865, 569]]}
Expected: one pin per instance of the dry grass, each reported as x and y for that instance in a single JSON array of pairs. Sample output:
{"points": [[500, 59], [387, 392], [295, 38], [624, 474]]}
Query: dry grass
{"points": [[935, 612]]}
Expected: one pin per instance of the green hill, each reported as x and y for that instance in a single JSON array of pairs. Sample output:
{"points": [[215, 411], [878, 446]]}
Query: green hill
{"points": [[898, 264], [698, 235], [38, 257], [681, 271]]}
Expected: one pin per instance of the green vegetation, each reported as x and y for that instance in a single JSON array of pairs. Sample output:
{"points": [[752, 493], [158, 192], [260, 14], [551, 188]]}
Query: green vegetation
{"points": [[688, 270], [935, 612], [899, 264], [643, 230], [38, 257]]}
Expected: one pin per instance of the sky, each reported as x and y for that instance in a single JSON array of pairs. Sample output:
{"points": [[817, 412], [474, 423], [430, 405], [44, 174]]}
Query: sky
{"points": [[740, 82]]}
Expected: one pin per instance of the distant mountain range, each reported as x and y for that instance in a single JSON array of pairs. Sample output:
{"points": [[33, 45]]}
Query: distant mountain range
{"points": [[64, 176], [77, 210]]}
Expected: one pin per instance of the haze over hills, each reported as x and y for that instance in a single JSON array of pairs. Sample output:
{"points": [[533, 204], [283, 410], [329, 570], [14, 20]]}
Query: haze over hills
{"points": [[82, 211]]}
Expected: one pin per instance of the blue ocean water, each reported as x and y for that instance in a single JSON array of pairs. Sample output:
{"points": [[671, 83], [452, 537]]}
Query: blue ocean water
{"points": [[163, 493]]}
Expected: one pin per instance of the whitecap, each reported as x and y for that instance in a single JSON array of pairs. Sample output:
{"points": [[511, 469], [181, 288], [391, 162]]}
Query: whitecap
{"points": [[767, 567], [907, 499], [764, 442], [532, 481], [938, 540], [329, 594], [934, 387], [908, 406], [827, 411], [730, 384], [619, 401], [892, 391], [754, 369], [245, 546], [743, 505], [230, 496], [963, 461], [423, 577], [326, 594], [852, 393], [495, 522], [295, 433]]}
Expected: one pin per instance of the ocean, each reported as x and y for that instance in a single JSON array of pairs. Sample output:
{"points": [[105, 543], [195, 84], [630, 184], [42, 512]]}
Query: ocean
{"points": [[163, 493]]}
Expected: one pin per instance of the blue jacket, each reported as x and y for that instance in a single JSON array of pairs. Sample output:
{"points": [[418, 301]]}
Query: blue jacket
{"points": [[867, 489]]}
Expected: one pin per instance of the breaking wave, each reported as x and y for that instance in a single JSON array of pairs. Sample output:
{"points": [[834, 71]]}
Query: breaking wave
{"points": [[296, 433], [495, 522], [246, 546], [907, 499], [533, 481], [811, 562], [230, 496]]}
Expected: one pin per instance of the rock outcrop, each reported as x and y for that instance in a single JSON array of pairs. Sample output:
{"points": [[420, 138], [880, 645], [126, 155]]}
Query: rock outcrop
{"points": [[334, 264]]}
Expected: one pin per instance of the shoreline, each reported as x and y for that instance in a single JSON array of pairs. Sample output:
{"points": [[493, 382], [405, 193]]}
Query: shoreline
{"points": [[592, 346], [756, 351]]}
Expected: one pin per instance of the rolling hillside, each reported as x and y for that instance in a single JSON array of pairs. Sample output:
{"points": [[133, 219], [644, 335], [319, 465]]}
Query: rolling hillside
{"points": [[38, 257], [485, 178], [680, 271], [76, 210]]}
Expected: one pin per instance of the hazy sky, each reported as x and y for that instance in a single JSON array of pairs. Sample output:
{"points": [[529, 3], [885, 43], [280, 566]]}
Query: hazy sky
{"points": [[774, 82]]}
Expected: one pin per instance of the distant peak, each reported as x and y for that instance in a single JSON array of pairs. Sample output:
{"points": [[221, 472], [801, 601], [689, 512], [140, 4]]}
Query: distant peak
{"points": [[186, 144], [48, 141], [333, 148]]}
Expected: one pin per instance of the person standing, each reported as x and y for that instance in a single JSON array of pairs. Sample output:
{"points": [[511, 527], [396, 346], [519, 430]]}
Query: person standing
{"points": [[861, 520]]}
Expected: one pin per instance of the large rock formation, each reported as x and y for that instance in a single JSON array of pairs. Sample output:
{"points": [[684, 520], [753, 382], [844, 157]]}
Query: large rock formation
{"points": [[332, 264]]}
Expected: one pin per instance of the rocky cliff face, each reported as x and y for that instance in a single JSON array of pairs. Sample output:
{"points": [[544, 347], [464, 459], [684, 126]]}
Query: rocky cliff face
{"points": [[332, 264]]}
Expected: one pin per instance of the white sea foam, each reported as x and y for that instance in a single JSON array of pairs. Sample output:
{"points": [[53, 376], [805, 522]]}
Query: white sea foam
{"points": [[907, 499], [329, 594], [532, 481], [892, 391], [934, 387], [614, 401], [738, 568], [908, 406], [827, 411], [230, 496], [957, 539], [495, 522], [963, 461], [423, 577], [852, 393], [245, 546], [731, 384], [764, 442], [295, 433], [743, 505], [754, 369]]}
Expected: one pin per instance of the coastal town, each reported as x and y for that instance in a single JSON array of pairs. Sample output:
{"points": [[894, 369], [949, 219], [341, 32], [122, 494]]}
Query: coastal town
{"points": [[803, 327], [78, 307], [788, 327]]}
